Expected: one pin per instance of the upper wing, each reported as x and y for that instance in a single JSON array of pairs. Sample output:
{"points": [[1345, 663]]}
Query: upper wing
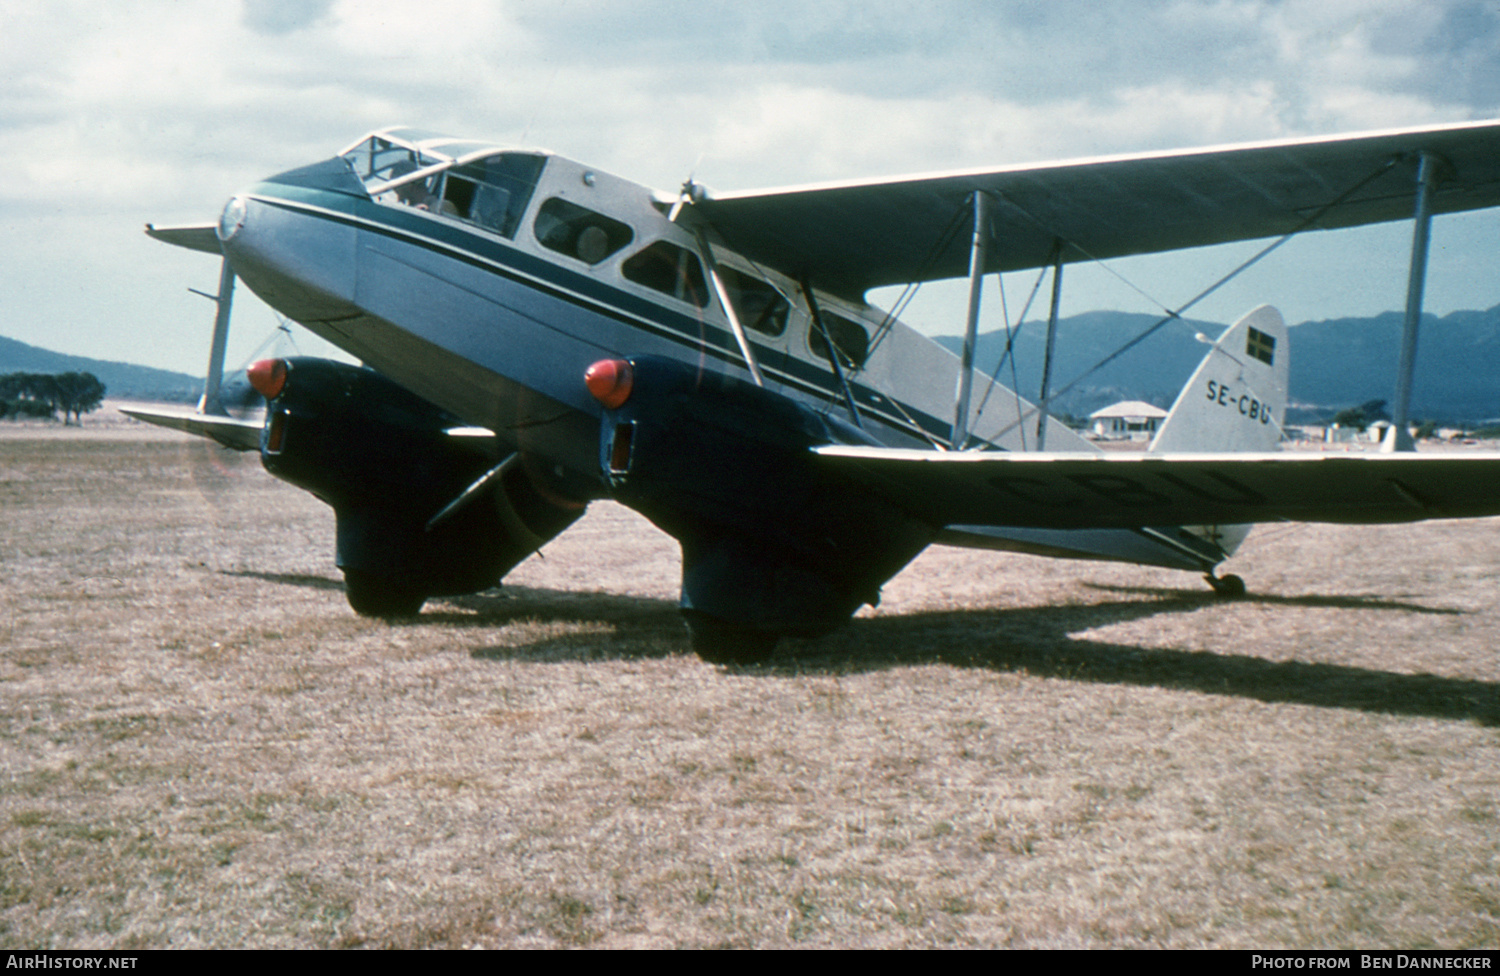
{"points": [[1072, 491], [849, 237]]}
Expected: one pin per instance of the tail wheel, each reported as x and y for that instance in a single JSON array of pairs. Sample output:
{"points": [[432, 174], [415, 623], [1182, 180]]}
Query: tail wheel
{"points": [[718, 641], [380, 596], [1230, 587]]}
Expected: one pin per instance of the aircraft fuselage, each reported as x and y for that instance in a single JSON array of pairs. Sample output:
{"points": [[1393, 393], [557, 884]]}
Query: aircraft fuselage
{"points": [[496, 321], [487, 281]]}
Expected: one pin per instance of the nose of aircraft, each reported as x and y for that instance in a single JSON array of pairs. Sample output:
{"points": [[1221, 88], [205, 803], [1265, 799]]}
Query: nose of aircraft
{"points": [[299, 260]]}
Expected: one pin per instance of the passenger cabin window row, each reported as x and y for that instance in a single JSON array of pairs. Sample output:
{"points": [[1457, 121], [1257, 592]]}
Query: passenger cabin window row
{"points": [[494, 192], [581, 233]]}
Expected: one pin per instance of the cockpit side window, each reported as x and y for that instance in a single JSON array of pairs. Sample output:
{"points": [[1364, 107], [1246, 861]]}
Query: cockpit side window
{"points": [[849, 338], [493, 192], [579, 232], [670, 269], [759, 306]]}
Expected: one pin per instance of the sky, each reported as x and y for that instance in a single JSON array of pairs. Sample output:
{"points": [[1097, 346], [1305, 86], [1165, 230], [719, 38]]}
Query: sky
{"points": [[115, 115]]}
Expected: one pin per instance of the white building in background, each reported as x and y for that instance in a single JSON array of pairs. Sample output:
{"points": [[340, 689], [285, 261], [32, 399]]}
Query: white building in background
{"points": [[1131, 420]]}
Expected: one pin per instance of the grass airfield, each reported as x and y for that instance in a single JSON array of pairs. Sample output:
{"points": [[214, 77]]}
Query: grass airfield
{"points": [[201, 746]]}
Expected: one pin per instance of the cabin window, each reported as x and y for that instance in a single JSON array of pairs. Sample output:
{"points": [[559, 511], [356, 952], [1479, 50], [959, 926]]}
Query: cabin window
{"points": [[492, 192], [670, 269], [850, 338], [760, 307], [579, 232]]}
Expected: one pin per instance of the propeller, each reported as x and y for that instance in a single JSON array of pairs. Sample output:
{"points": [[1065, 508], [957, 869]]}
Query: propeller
{"points": [[236, 391], [692, 192]]}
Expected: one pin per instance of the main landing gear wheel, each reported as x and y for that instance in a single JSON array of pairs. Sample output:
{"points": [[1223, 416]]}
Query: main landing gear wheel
{"points": [[718, 641], [1230, 586], [378, 596]]}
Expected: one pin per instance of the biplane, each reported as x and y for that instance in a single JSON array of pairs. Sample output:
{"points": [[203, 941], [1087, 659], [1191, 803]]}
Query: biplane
{"points": [[536, 334]]}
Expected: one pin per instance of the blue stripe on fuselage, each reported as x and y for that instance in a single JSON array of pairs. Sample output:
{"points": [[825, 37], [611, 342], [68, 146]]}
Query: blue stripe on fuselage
{"points": [[484, 252]]}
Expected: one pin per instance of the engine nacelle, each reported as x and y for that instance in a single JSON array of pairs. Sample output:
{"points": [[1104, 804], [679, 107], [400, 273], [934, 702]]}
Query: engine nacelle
{"points": [[772, 543], [384, 460]]}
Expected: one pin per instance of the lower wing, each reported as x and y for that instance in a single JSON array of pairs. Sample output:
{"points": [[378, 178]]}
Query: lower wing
{"points": [[242, 435], [1070, 491]]}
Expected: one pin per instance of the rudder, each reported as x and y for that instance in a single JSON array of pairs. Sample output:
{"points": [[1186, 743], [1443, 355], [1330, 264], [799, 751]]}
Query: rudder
{"points": [[1234, 402], [1236, 399]]}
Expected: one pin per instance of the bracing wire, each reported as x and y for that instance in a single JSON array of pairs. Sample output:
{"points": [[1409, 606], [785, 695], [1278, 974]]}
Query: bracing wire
{"points": [[1010, 345], [910, 291], [1172, 315]]}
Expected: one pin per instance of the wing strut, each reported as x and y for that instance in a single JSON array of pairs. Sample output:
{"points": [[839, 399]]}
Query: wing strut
{"points": [[978, 256], [729, 312], [210, 403], [1415, 284], [834, 352], [1041, 415], [472, 492]]}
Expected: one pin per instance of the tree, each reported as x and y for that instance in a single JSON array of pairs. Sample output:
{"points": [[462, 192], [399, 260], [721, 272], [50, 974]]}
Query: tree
{"points": [[78, 394], [1362, 416], [43, 394], [28, 394]]}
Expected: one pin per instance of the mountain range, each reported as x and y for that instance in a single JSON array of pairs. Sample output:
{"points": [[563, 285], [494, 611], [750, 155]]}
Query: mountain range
{"points": [[1336, 364], [119, 379]]}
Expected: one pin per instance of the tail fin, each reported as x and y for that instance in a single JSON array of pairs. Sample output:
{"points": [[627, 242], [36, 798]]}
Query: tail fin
{"points": [[1235, 401]]}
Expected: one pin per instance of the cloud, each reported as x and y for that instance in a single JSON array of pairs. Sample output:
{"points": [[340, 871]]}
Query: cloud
{"points": [[277, 17], [115, 114], [1452, 51]]}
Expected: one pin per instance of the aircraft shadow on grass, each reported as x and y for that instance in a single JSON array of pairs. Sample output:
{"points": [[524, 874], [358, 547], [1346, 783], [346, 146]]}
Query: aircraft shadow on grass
{"points": [[1037, 641], [287, 579], [1340, 602]]}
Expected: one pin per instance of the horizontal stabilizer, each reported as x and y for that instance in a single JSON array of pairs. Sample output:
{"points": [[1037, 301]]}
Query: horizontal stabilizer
{"points": [[197, 237], [1066, 491], [242, 435]]}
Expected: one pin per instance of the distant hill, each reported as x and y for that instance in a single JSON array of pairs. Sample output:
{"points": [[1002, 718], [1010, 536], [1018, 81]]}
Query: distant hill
{"points": [[119, 379], [1336, 363], [1339, 363]]}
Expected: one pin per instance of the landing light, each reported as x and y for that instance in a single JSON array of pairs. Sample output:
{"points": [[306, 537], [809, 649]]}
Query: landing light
{"points": [[268, 376], [232, 219], [610, 381]]}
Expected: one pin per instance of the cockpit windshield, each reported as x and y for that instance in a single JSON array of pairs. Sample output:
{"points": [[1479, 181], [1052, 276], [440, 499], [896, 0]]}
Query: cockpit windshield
{"points": [[481, 186], [378, 161]]}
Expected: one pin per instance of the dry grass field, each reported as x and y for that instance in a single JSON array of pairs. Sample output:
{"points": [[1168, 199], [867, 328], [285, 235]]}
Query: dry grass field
{"points": [[201, 746]]}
